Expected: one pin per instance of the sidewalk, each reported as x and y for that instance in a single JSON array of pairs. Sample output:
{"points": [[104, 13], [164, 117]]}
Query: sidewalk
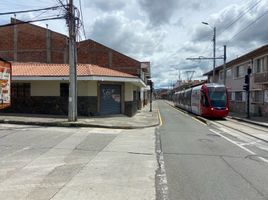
{"points": [[260, 121], [143, 119]]}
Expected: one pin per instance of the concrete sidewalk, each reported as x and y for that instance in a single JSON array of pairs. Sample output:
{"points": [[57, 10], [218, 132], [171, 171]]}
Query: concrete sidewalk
{"points": [[260, 121], [143, 119]]}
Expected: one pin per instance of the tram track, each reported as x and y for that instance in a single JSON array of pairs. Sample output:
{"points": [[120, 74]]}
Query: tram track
{"points": [[230, 124], [244, 128]]}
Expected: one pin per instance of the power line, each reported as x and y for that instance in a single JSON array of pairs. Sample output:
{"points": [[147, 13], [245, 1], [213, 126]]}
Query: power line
{"points": [[249, 25], [34, 10], [240, 16], [83, 27]]}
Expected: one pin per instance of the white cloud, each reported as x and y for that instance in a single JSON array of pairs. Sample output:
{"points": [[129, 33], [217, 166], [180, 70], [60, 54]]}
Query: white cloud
{"points": [[128, 36], [165, 32], [107, 5]]}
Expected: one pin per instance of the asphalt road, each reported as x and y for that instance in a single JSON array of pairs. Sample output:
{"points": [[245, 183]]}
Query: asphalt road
{"points": [[202, 165]]}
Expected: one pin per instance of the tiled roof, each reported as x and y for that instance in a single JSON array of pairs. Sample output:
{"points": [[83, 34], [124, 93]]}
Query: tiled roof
{"points": [[60, 70]]}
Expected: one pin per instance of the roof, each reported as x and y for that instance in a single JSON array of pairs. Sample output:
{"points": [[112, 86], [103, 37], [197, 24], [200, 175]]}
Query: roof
{"points": [[250, 55], [61, 70]]}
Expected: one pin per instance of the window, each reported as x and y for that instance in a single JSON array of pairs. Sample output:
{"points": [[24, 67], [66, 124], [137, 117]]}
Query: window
{"points": [[239, 71], [221, 75], [257, 96], [259, 65], [229, 73], [217, 96], [266, 96], [64, 89], [204, 100], [20, 89], [239, 96]]}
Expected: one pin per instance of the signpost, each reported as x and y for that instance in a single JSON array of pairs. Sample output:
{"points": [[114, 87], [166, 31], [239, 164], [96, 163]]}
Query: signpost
{"points": [[5, 84]]}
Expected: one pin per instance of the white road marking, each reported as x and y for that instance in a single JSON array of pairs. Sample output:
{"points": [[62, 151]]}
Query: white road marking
{"points": [[239, 145]]}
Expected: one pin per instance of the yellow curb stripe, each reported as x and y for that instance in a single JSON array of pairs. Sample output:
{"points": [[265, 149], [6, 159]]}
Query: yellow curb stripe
{"points": [[160, 118]]}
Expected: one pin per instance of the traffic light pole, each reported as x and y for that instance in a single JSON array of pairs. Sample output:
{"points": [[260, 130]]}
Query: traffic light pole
{"points": [[246, 87], [248, 115], [151, 94]]}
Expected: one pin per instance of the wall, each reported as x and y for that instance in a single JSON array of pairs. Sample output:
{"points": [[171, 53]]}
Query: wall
{"points": [[128, 92], [92, 52], [30, 43], [45, 88], [87, 88]]}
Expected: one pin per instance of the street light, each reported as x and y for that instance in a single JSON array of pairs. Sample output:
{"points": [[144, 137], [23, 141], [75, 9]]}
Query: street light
{"points": [[214, 49]]}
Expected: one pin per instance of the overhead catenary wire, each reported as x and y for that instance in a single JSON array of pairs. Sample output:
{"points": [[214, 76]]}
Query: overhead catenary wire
{"points": [[245, 28], [239, 17]]}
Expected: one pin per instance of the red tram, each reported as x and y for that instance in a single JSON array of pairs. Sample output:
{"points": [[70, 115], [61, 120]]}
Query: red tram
{"points": [[208, 100]]}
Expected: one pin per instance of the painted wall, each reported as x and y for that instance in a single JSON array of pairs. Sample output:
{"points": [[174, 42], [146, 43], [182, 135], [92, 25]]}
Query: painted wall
{"points": [[128, 92], [87, 88], [52, 88], [45, 88]]}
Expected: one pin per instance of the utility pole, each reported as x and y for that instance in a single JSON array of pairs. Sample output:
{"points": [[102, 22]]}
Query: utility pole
{"points": [[224, 64], [214, 53], [72, 111], [151, 94]]}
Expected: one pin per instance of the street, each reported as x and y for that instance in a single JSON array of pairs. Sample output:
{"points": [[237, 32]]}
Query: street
{"points": [[208, 162], [76, 163], [181, 159]]}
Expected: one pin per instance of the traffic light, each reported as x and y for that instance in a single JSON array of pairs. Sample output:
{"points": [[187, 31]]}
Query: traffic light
{"points": [[247, 79], [246, 87]]}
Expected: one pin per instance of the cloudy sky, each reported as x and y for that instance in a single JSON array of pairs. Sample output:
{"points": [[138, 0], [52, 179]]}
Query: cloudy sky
{"points": [[164, 32]]}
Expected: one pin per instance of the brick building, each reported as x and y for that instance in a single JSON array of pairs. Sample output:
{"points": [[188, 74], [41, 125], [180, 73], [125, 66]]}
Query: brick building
{"points": [[31, 43]]}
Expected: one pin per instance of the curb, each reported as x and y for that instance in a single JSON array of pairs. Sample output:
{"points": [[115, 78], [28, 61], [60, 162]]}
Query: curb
{"points": [[248, 121], [74, 124]]}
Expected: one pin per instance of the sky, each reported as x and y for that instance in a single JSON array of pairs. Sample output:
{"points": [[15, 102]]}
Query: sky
{"points": [[164, 32]]}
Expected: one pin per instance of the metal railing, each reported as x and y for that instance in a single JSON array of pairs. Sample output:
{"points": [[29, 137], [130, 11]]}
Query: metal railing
{"points": [[261, 77]]}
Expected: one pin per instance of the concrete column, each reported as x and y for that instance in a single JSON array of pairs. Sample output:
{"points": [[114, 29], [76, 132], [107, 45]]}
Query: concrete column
{"points": [[48, 45]]}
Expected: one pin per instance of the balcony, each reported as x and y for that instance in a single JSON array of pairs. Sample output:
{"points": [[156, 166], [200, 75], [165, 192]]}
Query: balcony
{"points": [[261, 78]]}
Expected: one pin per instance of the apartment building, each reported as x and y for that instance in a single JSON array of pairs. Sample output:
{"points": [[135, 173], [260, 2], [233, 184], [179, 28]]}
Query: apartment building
{"points": [[257, 61]]}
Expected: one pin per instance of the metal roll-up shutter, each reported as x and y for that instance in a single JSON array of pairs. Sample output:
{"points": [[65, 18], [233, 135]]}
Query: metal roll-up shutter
{"points": [[110, 99]]}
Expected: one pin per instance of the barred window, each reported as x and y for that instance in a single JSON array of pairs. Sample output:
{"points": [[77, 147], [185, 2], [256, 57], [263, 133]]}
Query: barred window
{"points": [[259, 65], [239, 96], [20, 90], [229, 73], [257, 96]]}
